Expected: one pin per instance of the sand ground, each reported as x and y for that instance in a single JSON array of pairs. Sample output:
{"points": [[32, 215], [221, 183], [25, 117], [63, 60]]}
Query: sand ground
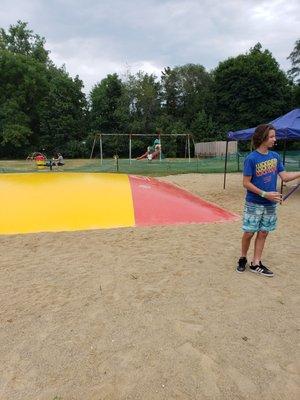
{"points": [[151, 313]]}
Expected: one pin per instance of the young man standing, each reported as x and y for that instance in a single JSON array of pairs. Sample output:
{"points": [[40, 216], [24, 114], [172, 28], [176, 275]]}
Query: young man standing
{"points": [[261, 169]]}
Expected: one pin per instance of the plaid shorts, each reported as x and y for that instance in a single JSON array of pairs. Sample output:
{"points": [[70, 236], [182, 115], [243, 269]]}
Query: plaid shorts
{"points": [[259, 217]]}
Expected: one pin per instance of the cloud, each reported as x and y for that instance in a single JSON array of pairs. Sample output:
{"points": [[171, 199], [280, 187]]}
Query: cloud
{"points": [[94, 38], [93, 59]]}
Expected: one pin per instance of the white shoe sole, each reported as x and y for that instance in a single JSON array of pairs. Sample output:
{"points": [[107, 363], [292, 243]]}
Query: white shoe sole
{"points": [[260, 273]]}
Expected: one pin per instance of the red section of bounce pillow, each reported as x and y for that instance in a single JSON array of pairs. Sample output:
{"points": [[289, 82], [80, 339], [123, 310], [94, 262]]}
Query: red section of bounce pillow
{"points": [[160, 203]]}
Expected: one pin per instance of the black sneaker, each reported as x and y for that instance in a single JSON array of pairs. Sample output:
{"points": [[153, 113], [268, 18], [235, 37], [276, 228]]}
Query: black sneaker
{"points": [[261, 269], [241, 265]]}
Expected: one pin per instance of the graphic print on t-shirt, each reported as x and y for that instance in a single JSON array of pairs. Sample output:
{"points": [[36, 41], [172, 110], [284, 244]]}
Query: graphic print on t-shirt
{"points": [[266, 167]]}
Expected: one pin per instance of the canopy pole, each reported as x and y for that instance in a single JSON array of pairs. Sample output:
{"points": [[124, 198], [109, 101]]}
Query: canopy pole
{"points": [[225, 168], [130, 148], [284, 151], [283, 161], [189, 148]]}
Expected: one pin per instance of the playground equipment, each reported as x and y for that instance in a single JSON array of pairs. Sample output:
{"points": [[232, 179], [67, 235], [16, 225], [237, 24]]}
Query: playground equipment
{"points": [[33, 203], [40, 160], [99, 136], [152, 152]]}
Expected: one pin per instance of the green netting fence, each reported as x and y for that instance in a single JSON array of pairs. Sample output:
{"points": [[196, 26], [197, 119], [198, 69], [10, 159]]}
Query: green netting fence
{"points": [[167, 166]]}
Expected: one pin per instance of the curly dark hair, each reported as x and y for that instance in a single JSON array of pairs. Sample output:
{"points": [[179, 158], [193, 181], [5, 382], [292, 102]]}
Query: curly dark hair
{"points": [[261, 134]]}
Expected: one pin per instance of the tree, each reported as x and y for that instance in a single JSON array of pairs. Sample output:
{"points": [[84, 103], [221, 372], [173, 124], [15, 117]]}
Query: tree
{"points": [[105, 100], [40, 105], [294, 73], [203, 128], [185, 91], [250, 89], [109, 113], [21, 40], [171, 92], [63, 114], [23, 85], [294, 57], [144, 95]]}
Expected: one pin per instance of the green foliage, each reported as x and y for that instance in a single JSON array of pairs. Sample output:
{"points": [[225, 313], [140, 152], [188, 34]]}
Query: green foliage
{"points": [[203, 128], [294, 57], [106, 102], [294, 73], [250, 89], [15, 135], [109, 113], [22, 86], [185, 91], [296, 96], [172, 146], [144, 100], [63, 113], [21, 40], [42, 107]]}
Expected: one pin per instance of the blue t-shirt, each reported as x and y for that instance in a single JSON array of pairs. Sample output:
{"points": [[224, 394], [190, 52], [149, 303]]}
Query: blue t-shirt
{"points": [[263, 169]]}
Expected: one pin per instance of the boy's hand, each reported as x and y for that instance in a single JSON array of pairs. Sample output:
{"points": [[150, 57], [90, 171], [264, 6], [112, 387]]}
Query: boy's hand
{"points": [[274, 196]]}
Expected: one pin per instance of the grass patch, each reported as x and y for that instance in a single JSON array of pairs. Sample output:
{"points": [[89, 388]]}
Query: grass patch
{"points": [[168, 166]]}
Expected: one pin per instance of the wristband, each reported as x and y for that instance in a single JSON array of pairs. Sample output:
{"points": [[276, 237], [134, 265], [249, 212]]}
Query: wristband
{"points": [[262, 194]]}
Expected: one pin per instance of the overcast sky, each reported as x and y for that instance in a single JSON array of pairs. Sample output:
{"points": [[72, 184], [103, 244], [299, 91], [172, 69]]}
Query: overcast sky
{"points": [[96, 37]]}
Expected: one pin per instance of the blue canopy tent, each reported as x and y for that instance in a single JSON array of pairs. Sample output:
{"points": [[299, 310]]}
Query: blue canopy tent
{"points": [[287, 128]]}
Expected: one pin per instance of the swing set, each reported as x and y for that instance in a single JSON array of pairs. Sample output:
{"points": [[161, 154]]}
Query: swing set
{"points": [[99, 137]]}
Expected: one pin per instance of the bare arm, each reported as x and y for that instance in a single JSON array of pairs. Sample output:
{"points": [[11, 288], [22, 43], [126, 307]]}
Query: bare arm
{"points": [[272, 196], [289, 176]]}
